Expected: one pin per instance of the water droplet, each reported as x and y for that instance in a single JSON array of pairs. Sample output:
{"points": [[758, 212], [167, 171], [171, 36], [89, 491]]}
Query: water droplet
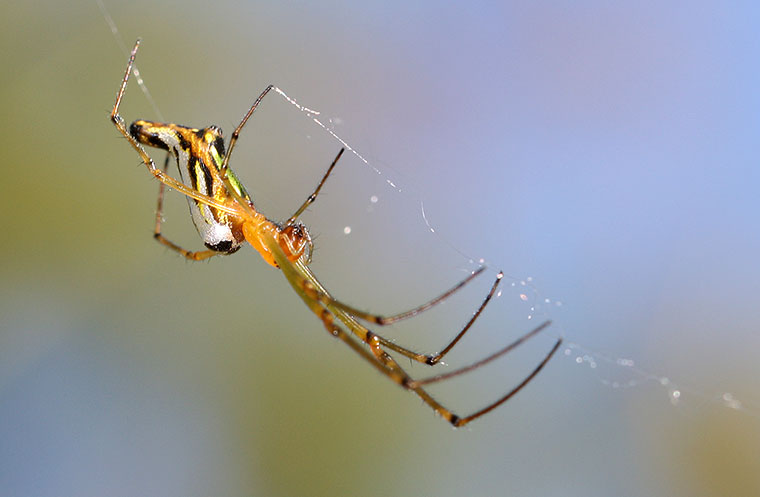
{"points": [[731, 402]]}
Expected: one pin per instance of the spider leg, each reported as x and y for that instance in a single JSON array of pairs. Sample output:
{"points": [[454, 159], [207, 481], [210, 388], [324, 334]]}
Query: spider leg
{"points": [[236, 133], [159, 174], [311, 198], [429, 359], [326, 299], [402, 378], [375, 355], [195, 256], [475, 365], [380, 360], [432, 359], [374, 341], [384, 363], [298, 275], [463, 421]]}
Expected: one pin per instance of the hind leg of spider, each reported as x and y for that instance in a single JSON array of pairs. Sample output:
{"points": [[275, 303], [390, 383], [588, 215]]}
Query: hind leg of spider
{"points": [[299, 275], [482, 362], [433, 359], [493, 405], [195, 256], [311, 198], [429, 359], [416, 385], [376, 342], [381, 361], [388, 366], [323, 297], [396, 373]]}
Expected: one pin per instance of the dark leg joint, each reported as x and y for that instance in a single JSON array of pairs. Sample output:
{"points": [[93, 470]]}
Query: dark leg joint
{"points": [[326, 316]]}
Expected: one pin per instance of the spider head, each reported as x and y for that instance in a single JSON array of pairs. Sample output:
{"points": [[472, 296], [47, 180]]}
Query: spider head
{"points": [[295, 241]]}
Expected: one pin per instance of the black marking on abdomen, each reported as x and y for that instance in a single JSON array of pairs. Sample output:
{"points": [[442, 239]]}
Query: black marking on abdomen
{"points": [[192, 171], [184, 144], [225, 246]]}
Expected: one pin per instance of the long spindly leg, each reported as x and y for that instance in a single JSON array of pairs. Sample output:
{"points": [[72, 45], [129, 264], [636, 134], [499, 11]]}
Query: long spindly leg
{"points": [[195, 256], [236, 133], [164, 178], [493, 405], [388, 366], [430, 359], [326, 299], [404, 380], [381, 361], [482, 362], [311, 198], [298, 274], [301, 277]]}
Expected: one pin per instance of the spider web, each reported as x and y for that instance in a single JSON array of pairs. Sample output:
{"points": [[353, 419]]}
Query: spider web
{"points": [[519, 296], [611, 370]]}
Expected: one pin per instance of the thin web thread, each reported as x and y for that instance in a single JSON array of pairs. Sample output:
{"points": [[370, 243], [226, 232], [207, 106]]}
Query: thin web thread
{"points": [[314, 116], [126, 52], [638, 377]]}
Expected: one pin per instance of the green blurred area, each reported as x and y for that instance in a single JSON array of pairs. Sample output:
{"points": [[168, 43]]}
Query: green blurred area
{"points": [[82, 279]]}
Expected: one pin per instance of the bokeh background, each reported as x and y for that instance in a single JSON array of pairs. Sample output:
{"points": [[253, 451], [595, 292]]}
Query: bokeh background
{"points": [[605, 156]]}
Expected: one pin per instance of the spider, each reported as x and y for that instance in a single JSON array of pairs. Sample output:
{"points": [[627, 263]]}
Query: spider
{"points": [[226, 218]]}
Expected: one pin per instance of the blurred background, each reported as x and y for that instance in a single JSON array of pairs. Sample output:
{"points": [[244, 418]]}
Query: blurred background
{"points": [[604, 156]]}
